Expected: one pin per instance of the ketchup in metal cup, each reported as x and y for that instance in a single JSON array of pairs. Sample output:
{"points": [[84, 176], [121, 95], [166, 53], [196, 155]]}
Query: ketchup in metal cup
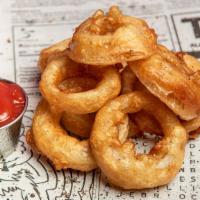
{"points": [[12, 102]]}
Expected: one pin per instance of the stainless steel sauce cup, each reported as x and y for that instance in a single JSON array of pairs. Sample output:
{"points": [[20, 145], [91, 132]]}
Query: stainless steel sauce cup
{"points": [[9, 133]]}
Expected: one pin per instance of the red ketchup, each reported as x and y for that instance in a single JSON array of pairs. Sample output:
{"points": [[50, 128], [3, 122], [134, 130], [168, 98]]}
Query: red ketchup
{"points": [[12, 102]]}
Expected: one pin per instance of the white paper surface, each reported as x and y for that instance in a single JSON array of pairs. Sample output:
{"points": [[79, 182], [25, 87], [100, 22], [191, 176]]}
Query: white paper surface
{"points": [[27, 26]]}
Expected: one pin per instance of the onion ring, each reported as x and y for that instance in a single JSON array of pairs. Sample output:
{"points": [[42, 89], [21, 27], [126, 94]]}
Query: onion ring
{"points": [[110, 39], [82, 102], [192, 63], [119, 161], [143, 121], [193, 70], [54, 51], [164, 75], [54, 143]]}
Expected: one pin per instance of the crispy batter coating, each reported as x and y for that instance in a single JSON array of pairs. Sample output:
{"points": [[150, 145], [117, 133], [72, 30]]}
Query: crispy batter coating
{"points": [[119, 161], [193, 64], [165, 76], [47, 54], [144, 121], [54, 142], [111, 38], [85, 102]]}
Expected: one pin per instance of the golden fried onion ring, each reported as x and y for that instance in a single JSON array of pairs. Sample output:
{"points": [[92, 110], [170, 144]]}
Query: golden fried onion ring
{"points": [[85, 102], [164, 75], [119, 161], [192, 63], [54, 142], [193, 66], [111, 38], [145, 122], [47, 54], [193, 70], [79, 125]]}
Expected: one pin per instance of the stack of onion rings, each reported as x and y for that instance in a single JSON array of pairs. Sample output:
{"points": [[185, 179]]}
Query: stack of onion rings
{"points": [[100, 85]]}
